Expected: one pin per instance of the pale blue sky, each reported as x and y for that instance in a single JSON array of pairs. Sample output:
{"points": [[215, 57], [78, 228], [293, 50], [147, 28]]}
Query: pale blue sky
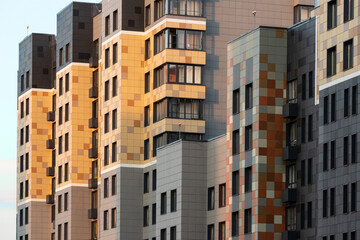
{"points": [[16, 15]]}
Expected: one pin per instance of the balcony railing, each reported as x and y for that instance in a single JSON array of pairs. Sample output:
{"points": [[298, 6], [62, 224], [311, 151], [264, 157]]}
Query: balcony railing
{"points": [[50, 171], [50, 116], [93, 153], [50, 144], [290, 235], [93, 183], [93, 123], [290, 153], [93, 92], [289, 195], [290, 110], [50, 199], [93, 62]]}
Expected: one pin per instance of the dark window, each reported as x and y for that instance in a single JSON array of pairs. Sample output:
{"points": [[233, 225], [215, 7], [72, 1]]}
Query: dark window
{"points": [[173, 233], [147, 15], [113, 185], [325, 203], [309, 215], [348, 54], [332, 202], [114, 119], [60, 115], [106, 123], [159, 77], [146, 182], [310, 167], [235, 224], [147, 49], [106, 187], [26, 161], [22, 83], [81, 25], [211, 198], [345, 198], [163, 203], [67, 52], [235, 183], [107, 57], [159, 42], [26, 215], [222, 195], [21, 136], [66, 201], [27, 79], [21, 190], [193, 8], [107, 25], [153, 213], [354, 100], [326, 110], [303, 130], [173, 200], [331, 61], [248, 96], [345, 236], [236, 101], [236, 143], [59, 232], [353, 197], [346, 150], [60, 86], [146, 149], [115, 20], [115, 54], [159, 110], [21, 163], [346, 102], [353, 235], [302, 216], [332, 237], [60, 145], [107, 90], [21, 217], [147, 116], [147, 82], [66, 142], [222, 231], [27, 136], [184, 108], [154, 180], [163, 234], [26, 188], [22, 110], [248, 222], [114, 152], [248, 138], [311, 83], [158, 141], [302, 172], [59, 174], [303, 87], [332, 155], [159, 9], [59, 203], [211, 232], [27, 105], [292, 91], [106, 155], [348, 10], [353, 148], [248, 179], [106, 220], [310, 128], [61, 57], [146, 216], [332, 14], [184, 39], [66, 172], [66, 112], [333, 107]]}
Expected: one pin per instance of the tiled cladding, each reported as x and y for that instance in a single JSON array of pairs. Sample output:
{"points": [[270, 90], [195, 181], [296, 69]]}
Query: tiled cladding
{"points": [[258, 57], [40, 102], [336, 36], [80, 80]]}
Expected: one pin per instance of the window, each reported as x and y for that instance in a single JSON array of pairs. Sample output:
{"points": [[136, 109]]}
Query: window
{"points": [[163, 203], [222, 231], [292, 91], [183, 39], [61, 57], [332, 202], [26, 215], [159, 9], [147, 49], [248, 222], [353, 100], [153, 220], [222, 195], [60, 115], [66, 202], [66, 112], [332, 155], [235, 224], [185, 7], [26, 161], [345, 236], [60, 86], [147, 82], [326, 110], [66, 172], [106, 123], [346, 102], [113, 218], [348, 53], [115, 20], [236, 143], [310, 128], [114, 86], [248, 138], [310, 167], [27, 134], [302, 216], [353, 235], [159, 42], [159, 110], [59, 203], [331, 61], [107, 90], [114, 152], [333, 107], [106, 187], [248, 96], [346, 150], [325, 203], [22, 83], [158, 141], [22, 110], [173, 233], [106, 220], [159, 76], [248, 179], [236, 101], [107, 57], [22, 136], [345, 198], [303, 87], [235, 183], [154, 180], [163, 234], [188, 74], [147, 116], [21, 217], [302, 172], [332, 14], [291, 177], [67, 52], [59, 232], [183, 108], [211, 198], [353, 148], [303, 130], [115, 55], [27, 105], [146, 216], [66, 142], [348, 10], [210, 232], [67, 82], [353, 197], [311, 85], [173, 201], [59, 174], [290, 217], [21, 163], [146, 149], [146, 182], [107, 27], [113, 185], [65, 231], [309, 215], [114, 119], [147, 15], [106, 155], [27, 79]]}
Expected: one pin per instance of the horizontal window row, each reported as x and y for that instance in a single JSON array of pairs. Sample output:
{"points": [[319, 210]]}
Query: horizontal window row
{"points": [[221, 231], [115, 24], [61, 84], [306, 216], [235, 231], [113, 219], [293, 128], [61, 55], [60, 203], [163, 234], [25, 81], [25, 237], [222, 197], [107, 88], [146, 215], [348, 58], [173, 202], [66, 173], [107, 121], [27, 108], [24, 216], [67, 113], [113, 153], [66, 143], [236, 140], [345, 200], [247, 173], [113, 186], [24, 189], [114, 55], [345, 236], [24, 162], [248, 98], [146, 181], [24, 135], [348, 12], [60, 232], [307, 88]]}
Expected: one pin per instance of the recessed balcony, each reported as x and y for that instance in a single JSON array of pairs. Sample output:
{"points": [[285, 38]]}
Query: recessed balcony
{"points": [[93, 153], [93, 123], [50, 144], [93, 183], [93, 92], [93, 62], [290, 153], [50, 199], [50, 171], [290, 235], [92, 213], [290, 110], [50, 116], [289, 195]]}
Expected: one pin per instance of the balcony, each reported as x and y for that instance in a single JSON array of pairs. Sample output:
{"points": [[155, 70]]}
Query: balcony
{"points": [[290, 110], [290, 153], [93, 153], [289, 195], [50, 171], [290, 235], [93, 62], [93, 123], [50, 199], [93, 92], [92, 213], [50, 144], [93, 183], [50, 117]]}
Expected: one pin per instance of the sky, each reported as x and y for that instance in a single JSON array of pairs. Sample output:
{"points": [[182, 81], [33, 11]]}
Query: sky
{"points": [[40, 16]]}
